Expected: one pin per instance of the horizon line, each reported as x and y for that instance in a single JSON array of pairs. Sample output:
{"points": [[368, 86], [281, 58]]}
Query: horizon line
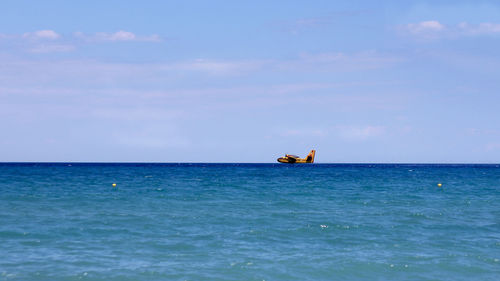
{"points": [[308, 164]]}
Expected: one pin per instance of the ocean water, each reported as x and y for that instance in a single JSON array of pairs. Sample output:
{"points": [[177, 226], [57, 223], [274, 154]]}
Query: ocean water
{"points": [[249, 222]]}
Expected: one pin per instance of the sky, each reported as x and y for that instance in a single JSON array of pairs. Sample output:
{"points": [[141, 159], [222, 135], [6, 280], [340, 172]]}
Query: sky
{"points": [[248, 81]]}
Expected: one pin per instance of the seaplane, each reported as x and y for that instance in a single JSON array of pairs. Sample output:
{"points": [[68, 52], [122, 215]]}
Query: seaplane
{"points": [[294, 159]]}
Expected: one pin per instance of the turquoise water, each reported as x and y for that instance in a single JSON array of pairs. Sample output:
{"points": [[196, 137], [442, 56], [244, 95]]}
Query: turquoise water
{"points": [[249, 222]]}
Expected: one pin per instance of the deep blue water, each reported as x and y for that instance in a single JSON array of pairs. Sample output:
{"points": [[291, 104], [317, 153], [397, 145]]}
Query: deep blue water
{"points": [[249, 222]]}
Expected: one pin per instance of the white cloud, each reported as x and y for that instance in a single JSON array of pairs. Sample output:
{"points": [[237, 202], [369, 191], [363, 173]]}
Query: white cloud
{"points": [[42, 34], [434, 29], [424, 30], [122, 36], [425, 26], [117, 36]]}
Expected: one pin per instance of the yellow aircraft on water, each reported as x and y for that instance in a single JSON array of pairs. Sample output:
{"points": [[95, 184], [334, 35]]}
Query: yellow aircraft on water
{"points": [[292, 159]]}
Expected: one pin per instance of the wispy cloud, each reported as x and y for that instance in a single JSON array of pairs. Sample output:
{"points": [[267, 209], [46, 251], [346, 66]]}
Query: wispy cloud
{"points": [[42, 34], [339, 61], [49, 41], [91, 72], [301, 25], [116, 37], [150, 114], [150, 139], [482, 132], [492, 146], [433, 29], [334, 61], [41, 41], [359, 132], [425, 27], [346, 132], [482, 28], [218, 67], [52, 48], [51, 35], [303, 133]]}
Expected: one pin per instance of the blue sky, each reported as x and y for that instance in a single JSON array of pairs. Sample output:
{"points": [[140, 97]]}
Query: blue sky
{"points": [[221, 81]]}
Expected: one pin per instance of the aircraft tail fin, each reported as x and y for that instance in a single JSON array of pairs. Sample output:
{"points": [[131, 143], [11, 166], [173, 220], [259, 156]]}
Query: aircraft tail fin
{"points": [[310, 156]]}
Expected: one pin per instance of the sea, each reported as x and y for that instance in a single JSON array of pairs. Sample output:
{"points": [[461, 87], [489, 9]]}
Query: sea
{"points": [[67, 221]]}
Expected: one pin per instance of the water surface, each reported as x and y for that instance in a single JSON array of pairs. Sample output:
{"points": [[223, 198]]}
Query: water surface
{"points": [[65, 221]]}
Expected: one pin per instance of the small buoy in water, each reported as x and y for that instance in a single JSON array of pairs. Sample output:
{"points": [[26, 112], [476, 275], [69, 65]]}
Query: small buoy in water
{"points": [[439, 185], [114, 184]]}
